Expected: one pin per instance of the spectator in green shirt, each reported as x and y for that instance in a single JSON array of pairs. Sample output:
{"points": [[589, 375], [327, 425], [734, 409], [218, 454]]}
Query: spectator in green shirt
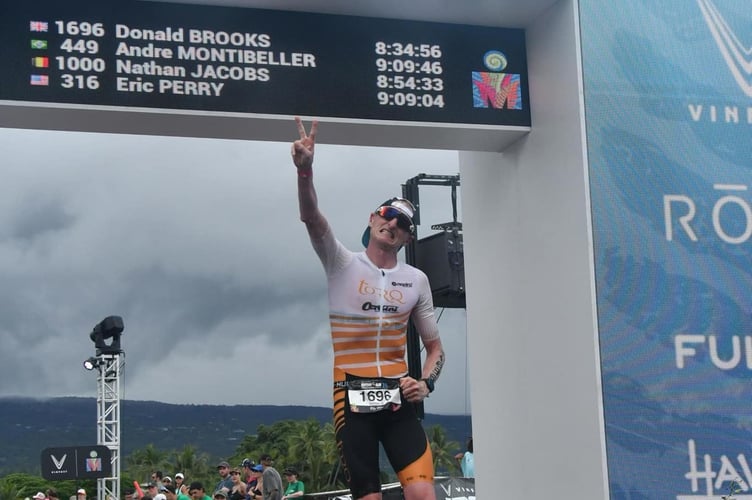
{"points": [[295, 488], [197, 492]]}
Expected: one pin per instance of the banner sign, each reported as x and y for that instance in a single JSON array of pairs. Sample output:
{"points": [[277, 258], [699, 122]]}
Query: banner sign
{"points": [[668, 100], [76, 462]]}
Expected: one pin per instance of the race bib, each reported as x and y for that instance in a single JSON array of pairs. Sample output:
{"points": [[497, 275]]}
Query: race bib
{"points": [[371, 395]]}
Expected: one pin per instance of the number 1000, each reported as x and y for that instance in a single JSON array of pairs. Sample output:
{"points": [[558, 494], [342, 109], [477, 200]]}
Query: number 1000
{"points": [[69, 63]]}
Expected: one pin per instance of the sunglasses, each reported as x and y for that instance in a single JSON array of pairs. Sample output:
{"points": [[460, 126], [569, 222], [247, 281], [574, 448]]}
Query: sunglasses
{"points": [[403, 221]]}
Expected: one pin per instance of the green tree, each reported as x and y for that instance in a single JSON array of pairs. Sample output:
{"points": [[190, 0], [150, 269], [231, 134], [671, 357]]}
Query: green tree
{"points": [[23, 485], [307, 445], [192, 463], [8, 491], [329, 450], [141, 463], [443, 451], [333, 472], [307, 449], [271, 439], [138, 466]]}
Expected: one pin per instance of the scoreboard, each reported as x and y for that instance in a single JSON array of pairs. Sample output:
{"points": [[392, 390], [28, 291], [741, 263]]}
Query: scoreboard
{"points": [[163, 58]]}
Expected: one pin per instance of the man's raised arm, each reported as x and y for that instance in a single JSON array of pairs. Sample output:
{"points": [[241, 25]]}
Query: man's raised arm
{"points": [[302, 156]]}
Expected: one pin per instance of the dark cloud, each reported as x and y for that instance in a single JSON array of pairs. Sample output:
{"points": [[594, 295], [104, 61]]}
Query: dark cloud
{"points": [[38, 217], [197, 244]]}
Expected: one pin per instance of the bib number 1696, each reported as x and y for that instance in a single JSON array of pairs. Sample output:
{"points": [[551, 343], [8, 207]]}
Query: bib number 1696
{"points": [[374, 396]]}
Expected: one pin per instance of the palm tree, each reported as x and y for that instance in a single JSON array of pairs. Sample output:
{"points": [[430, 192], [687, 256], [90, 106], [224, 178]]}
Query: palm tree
{"points": [[330, 451], [311, 448], [333, 478], [191, 463], [141, 463], [442, 449]]}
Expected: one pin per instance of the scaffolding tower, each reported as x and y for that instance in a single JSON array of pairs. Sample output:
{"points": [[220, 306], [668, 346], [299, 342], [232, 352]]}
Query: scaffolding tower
{"points": [[108, 421]]}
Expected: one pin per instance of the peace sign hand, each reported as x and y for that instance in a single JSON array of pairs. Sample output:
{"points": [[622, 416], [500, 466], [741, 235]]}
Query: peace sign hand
{"points": [[302, 149]]}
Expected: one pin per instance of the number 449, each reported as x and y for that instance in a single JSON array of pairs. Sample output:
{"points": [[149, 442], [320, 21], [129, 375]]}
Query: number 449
{"points": [[80, 46]]}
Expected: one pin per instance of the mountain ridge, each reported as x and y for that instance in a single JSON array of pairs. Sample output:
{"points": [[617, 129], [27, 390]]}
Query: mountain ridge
{"points": [[29, 425]]}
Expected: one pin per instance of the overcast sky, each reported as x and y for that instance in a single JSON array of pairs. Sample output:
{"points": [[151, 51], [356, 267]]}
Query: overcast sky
{"points": [[197, 244]]}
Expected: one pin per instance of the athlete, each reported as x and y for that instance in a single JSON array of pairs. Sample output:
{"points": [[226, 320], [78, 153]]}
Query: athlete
{"points": [[372, 296]]}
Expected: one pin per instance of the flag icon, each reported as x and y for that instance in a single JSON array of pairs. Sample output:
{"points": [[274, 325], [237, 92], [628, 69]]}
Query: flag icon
{"points": [[38, 26], [39, 44], [40, 62], [42, 80]]}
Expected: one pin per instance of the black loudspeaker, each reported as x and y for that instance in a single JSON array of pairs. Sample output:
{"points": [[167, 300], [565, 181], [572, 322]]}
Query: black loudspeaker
{"points": [[441, 257]]}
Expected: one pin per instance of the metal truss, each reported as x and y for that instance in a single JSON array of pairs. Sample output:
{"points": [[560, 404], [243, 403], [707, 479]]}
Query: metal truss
{"points": [[108, 421]]}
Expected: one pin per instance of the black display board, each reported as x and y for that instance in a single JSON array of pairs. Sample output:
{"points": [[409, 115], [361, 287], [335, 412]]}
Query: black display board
{"points": [[76, 462], [155, 55]]}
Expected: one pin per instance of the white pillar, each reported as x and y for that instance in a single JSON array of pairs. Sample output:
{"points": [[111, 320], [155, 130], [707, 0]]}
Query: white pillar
{"points": [[533, 352]]}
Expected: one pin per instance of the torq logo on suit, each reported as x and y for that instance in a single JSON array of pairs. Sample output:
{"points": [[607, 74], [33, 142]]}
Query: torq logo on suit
{"points": [[79, 462], [737, 57]]}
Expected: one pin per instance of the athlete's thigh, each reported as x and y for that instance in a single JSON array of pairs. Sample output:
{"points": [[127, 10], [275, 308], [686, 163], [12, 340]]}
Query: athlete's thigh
{"points": [[358, 444], [404, 439]]}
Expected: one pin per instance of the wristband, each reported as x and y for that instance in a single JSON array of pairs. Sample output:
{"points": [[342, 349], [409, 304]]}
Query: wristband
{"points": [[305, 173]]}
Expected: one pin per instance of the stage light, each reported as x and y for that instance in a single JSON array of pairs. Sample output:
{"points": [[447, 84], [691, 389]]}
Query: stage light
{"points": [[91, 363], [109, 328]]}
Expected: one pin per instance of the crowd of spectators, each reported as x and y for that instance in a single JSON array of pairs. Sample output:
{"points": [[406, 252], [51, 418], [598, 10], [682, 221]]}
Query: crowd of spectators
{"points": [[248, 481], [52, 494]]}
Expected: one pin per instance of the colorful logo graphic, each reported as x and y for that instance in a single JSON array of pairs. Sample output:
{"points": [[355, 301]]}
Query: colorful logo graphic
{"points": [[493, 88], [738, 57], [94, 462]]}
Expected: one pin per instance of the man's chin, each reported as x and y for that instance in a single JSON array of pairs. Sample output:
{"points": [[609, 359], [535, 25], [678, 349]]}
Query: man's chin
{"points": [[388, 243]]}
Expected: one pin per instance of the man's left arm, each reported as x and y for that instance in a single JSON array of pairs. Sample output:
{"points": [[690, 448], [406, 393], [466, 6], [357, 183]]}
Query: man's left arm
{"points": [[424, 319], [416, 391], [434, 359]]}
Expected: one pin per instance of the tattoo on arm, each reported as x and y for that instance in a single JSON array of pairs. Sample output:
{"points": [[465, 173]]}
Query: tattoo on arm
{"points": [[437, 368]]}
